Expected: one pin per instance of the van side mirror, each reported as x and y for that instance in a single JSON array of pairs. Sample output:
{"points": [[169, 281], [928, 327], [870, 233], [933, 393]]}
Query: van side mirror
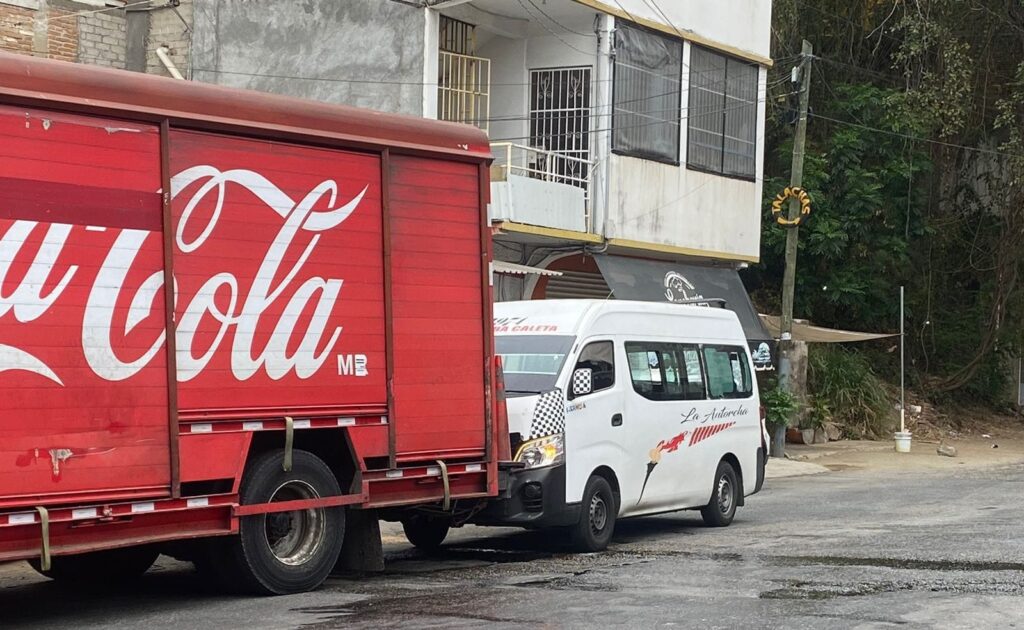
{"points": [[582, 382]]}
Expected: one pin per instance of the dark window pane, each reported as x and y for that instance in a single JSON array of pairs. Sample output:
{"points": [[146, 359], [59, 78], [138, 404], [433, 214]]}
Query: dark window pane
{"points": [[648, 72]]}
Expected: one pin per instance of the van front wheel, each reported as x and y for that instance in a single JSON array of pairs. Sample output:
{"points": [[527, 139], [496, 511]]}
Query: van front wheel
{"points": [[598, 510], [725, 496]]}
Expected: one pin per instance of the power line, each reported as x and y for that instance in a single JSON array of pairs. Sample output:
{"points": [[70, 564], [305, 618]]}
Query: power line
{"points": [[919, 138]]}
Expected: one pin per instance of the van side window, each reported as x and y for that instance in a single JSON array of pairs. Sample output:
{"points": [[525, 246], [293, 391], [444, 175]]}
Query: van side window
{"points": [[728, 372], [665, 371], [599, 356]]}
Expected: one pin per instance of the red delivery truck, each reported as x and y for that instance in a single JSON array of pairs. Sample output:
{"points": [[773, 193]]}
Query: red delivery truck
{"points": [[230, 322]]}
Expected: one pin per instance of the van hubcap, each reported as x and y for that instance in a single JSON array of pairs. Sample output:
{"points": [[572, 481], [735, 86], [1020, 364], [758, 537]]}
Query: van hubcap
{"points": [[724, 494], [598, 514]]}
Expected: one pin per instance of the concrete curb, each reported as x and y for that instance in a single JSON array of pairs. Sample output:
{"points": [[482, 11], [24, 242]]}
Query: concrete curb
{"points": [[779, 468]]}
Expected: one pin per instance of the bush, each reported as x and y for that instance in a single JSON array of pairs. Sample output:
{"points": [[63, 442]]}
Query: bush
{"points": [[844, 383], [779, 407]]}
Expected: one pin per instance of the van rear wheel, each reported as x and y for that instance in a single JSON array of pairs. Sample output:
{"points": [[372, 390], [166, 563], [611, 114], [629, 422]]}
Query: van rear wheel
{"points": [[426, 532], [725, 497], [598, 511]]}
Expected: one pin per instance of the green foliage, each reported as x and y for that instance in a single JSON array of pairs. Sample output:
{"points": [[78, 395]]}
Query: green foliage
{"points": [[779, 406], [817, 414], [915, 165], [845, 386]]}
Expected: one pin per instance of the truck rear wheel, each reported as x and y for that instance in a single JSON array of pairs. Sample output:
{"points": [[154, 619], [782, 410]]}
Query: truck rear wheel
{"points": [[283, 552], [113, 565], [426, 532]]}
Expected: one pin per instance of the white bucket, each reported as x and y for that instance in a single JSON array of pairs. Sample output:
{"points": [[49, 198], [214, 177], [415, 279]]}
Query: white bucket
{"points": [[902, 441]]}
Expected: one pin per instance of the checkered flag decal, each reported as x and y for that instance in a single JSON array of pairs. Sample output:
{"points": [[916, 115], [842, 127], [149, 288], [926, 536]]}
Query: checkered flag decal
{"points": [[548, 415], [584, 378]]}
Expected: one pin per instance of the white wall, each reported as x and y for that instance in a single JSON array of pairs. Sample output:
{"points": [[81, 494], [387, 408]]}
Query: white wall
{"points": [[672, 205], [745, 24], [509, 88]]}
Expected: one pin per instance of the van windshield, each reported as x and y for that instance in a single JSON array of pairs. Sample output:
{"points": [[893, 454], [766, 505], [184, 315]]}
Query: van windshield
{"points": [[532, 362]]}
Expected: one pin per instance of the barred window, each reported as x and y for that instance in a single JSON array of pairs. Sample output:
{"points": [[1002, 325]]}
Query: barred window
{"points": [[646, 94], [722, 114]]}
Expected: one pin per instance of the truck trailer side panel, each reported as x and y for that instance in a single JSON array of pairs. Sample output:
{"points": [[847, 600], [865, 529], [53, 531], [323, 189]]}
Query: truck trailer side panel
{"points": [[82, 364], [437, 308]]}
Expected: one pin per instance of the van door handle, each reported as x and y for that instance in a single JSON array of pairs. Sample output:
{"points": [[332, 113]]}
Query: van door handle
{"points": [[617, 420]]}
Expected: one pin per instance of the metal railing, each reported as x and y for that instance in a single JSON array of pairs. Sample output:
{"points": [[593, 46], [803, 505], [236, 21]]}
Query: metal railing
{"points": [[549, 166], [463, 88]]}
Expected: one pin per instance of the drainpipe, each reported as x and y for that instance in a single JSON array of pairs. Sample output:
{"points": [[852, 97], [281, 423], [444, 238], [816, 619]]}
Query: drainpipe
{"points": [[165, 59], [603, 110]]}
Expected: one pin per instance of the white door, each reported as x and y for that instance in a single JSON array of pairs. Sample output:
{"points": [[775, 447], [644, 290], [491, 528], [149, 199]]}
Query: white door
{"points": [[666, 399], [595, 432]]}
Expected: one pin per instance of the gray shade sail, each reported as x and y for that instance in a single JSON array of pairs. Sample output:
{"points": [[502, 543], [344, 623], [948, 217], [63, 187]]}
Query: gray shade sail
{"points": [[663, 281]]}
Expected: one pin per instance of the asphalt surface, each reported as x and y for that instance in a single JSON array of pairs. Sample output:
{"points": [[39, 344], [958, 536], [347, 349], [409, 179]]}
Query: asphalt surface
{"points": [[839, 550]]}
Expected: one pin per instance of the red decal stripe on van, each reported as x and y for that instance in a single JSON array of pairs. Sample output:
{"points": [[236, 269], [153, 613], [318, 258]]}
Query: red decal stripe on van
{"points": [[704, 433]]}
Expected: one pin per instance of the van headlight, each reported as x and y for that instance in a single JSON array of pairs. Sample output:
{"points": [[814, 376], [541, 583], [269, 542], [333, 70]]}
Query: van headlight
{"points": [[545, 451]]}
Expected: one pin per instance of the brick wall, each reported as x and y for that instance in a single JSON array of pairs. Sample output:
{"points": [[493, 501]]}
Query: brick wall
{"points": [[62, 35], [101, 39], [16, 24], [167, 29], [63, 29]]}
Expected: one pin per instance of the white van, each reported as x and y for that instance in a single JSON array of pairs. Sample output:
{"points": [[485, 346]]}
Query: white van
{"points": [[620, 409]]}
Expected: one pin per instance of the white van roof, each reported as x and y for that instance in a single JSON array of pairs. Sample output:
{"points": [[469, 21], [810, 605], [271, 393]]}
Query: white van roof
{"points": [[605, 317]]}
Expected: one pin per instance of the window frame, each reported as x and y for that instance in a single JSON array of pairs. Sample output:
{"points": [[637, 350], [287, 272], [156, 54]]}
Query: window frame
{"points": [[729, 59], [576, 362], [677, 348], [646, 154], [746, 367]]}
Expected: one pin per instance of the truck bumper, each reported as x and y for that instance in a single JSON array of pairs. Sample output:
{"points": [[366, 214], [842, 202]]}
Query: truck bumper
{"points": [[532, 498]]}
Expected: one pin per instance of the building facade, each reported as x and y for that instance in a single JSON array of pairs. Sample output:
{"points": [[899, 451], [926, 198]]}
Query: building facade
{"points": [[625, 132]]}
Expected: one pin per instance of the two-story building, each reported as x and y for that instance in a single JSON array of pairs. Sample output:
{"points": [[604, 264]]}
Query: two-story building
{"points": [[627, 134]]}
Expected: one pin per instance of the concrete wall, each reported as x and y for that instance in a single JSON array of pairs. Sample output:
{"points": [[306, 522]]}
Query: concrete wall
{"points": [[170, 28], [367, 53]]}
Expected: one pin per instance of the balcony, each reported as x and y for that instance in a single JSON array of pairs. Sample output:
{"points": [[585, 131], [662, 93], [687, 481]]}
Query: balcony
{"points": [[537, 187]]}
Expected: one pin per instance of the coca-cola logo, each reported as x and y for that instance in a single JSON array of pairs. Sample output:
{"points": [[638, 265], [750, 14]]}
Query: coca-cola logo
{"points": [[278, 280]]}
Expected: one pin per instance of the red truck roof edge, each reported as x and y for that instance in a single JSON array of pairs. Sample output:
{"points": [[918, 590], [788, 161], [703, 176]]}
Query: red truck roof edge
{"points": [[199, 105]]}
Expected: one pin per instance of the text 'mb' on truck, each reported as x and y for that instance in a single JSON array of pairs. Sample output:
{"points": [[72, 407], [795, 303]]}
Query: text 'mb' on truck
{"points": [[325, 272]]}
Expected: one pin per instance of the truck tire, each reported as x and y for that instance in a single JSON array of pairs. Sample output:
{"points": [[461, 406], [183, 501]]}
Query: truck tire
{"points": [[284, 552], [725, 496], [598, 511], [98, 567], [426, 532]]}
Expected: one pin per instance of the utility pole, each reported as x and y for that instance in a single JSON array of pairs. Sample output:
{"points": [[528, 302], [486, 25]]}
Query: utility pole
{"points": [[792, 232]]}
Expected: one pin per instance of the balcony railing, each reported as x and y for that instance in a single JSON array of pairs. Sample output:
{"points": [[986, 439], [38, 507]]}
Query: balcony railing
{"points": [[548, 166], [463, 88]]}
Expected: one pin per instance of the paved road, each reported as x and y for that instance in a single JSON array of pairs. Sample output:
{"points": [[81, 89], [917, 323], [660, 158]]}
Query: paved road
{"points": [[843, 550]]}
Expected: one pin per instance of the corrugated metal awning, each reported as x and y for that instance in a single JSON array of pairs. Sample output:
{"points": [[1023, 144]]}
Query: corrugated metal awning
{"points": [[577, 285], [515, 269]]}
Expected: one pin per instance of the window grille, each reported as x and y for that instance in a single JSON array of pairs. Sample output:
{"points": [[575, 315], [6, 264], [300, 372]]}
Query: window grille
{"points": [[560, 121], [463, 80], [721, 135]]}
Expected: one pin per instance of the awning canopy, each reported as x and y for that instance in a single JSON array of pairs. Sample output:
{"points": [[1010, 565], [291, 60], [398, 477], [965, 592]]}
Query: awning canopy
{"points": [[805, 331], [663, 281], [515, 269]]}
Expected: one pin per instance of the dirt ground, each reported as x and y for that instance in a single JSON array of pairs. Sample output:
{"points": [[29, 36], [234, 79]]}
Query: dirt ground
{"points": [[1004, 446]]}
